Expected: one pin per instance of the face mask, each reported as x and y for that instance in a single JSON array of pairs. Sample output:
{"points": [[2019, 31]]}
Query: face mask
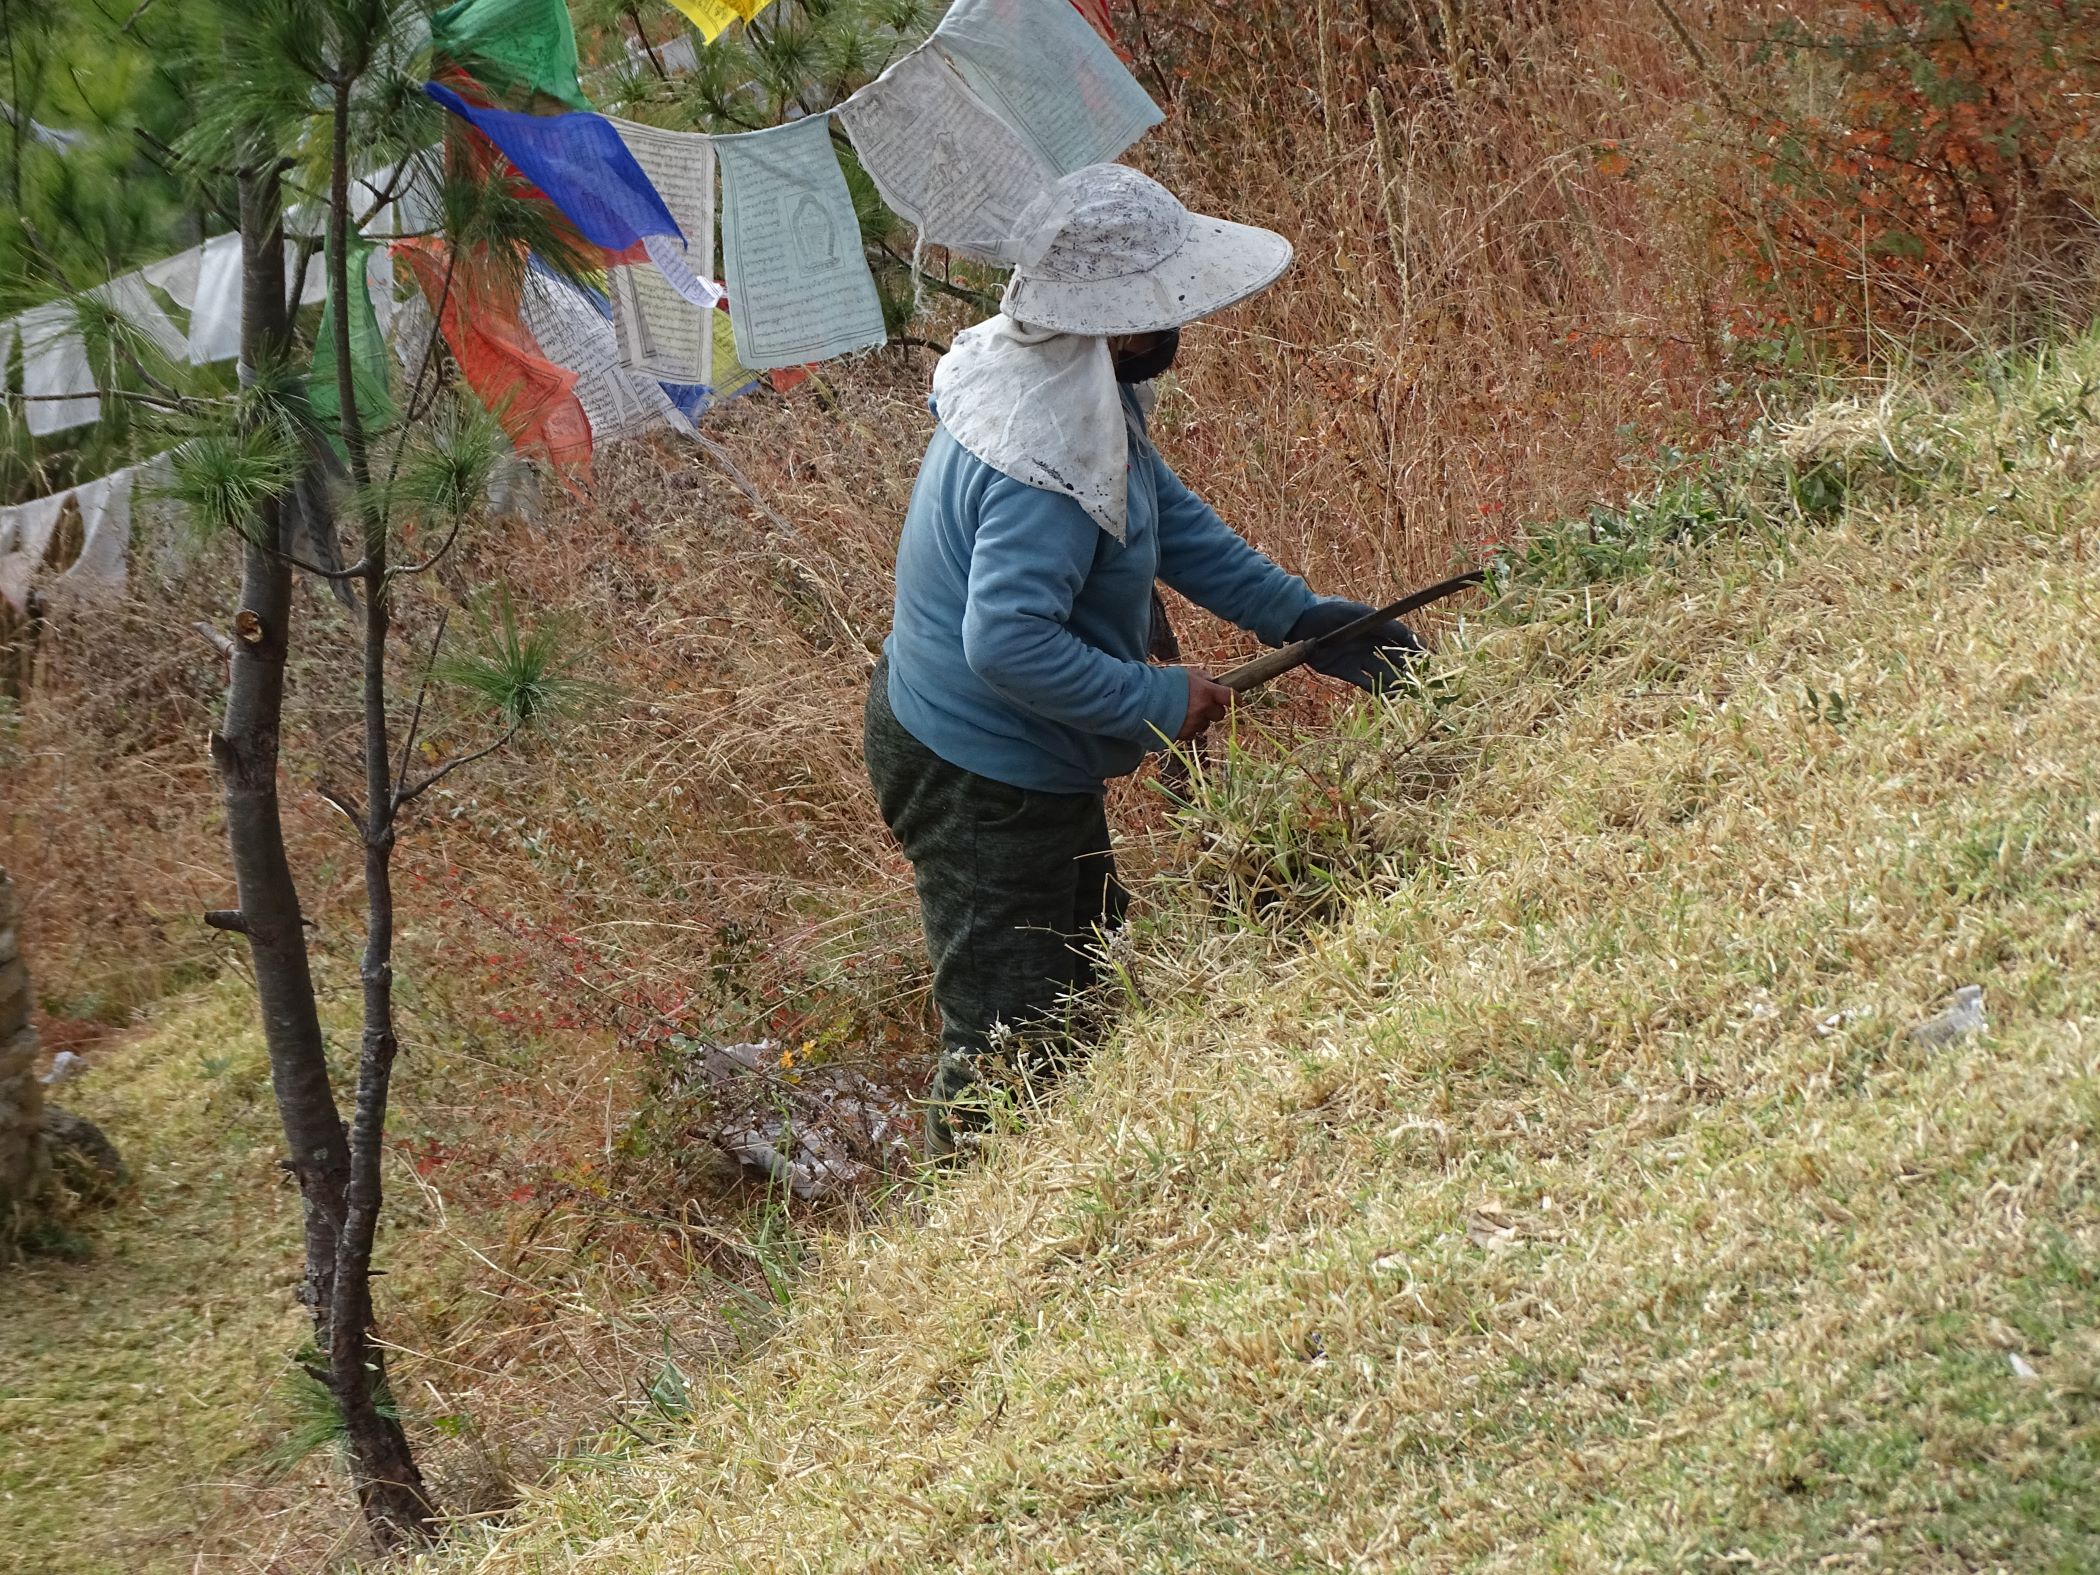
{"points": [[1141, 366]]}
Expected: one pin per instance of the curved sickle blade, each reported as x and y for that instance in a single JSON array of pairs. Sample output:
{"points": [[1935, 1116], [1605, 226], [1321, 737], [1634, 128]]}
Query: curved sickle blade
{"points": [[1273, 664]]}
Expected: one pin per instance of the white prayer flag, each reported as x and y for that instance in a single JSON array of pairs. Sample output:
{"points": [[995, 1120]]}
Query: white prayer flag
{"points": [[129, 299], [942, 159], [799, 286], [34, 522], [215, 309], [161, 543], [177, 276], [660, 331], [105, 532], [413, 326], [573, 334], [58, 384], [679, 55], [379, 283], [25, 535], [1047, 74], [313, 286]]}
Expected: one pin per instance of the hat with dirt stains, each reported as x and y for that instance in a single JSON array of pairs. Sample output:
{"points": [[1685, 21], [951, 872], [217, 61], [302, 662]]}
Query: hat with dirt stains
{"points": [[1108, 250]]}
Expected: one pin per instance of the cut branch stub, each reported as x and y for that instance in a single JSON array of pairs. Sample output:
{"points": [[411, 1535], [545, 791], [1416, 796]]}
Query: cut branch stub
{"points": [[249, 626]]}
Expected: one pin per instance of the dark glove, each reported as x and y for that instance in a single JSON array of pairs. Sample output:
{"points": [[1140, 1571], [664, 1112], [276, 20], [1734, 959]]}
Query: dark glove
{"points": [[1370, 660]]}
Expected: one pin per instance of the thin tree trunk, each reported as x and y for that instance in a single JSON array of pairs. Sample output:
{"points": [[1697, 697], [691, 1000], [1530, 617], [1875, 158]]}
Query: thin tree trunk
{"points": [[390, 1487], [244, 751]]}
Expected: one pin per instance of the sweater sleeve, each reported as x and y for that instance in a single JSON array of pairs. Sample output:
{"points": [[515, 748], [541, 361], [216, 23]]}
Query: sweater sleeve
{"points": [[1032, 553], [1213, 566]]}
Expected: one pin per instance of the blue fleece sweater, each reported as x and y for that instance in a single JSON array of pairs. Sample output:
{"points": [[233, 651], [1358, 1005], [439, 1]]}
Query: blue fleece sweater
{"points": [[1018, 650]]}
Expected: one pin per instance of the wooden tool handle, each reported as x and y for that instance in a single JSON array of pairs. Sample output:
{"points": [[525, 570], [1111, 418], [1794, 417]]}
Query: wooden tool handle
{"points": [[1268, 665]]}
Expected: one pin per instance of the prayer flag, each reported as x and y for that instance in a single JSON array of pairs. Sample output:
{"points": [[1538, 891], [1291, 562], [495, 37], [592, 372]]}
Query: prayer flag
{"points": [[1049, 76], [712, 17], [215, 309], [105, 532], [312, 287], [660, 331], [131, 304], [799, 286], [583, 167], [534, 399], [517, 47], [58, 385], [573, 333], [942, 159], [678, 55], [732, 377], [368, 369], [25, 535], [177, 276], [1096, 14]]}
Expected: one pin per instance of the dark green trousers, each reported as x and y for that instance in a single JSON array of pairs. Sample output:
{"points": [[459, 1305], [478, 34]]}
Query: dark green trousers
{"points": [[1012, 886]]}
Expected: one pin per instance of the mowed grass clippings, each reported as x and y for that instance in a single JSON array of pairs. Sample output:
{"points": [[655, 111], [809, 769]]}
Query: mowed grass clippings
{"points": [[1581, 1199]]}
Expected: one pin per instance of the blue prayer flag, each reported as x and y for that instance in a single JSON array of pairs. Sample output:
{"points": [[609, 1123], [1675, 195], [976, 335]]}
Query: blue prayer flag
{"points": [[579, 161]]}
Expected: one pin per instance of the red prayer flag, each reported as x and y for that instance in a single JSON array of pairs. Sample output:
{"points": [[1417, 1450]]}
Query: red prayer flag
{"points": [[1096, 14], [534, 399]]}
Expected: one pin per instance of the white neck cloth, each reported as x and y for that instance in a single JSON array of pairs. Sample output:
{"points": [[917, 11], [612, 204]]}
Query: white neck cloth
{"points": [[1042, 407]]}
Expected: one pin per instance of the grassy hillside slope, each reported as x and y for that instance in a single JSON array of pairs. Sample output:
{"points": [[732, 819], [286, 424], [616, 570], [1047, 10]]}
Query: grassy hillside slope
{"points": [[1577, 1198]]}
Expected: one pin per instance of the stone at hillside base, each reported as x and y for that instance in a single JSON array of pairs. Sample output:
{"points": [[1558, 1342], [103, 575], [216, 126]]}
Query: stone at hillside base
{"points": [[1963, 1018]]}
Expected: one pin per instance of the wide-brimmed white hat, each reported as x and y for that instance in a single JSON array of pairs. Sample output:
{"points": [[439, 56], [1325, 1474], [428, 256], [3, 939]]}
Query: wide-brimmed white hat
{"points": [[1110, 251]]}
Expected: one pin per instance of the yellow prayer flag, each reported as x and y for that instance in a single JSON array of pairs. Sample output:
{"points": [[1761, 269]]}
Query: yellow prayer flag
{"points": [[731, 375], [712, 16], [747, 9]]}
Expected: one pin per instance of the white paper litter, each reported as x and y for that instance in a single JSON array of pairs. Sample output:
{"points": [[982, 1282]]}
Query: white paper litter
{"points": [[943, 159], [799, 286]]}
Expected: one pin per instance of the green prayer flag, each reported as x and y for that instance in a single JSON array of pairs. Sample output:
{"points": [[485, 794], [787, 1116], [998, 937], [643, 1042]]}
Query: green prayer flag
{"points": [[515, 48], [368, 359]]}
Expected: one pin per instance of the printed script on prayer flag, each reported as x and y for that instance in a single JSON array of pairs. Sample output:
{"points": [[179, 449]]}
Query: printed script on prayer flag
{"points": [[1049, 76], [942, 159], [660, 331], [573, 333], [799, 286]]}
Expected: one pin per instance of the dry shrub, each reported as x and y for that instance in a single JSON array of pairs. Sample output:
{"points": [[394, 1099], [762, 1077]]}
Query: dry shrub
{"points": [[1906, 159]]}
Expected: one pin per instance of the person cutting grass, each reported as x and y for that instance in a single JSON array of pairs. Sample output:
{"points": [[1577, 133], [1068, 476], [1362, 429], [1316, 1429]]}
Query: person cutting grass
{"points": [[1014, 683]]}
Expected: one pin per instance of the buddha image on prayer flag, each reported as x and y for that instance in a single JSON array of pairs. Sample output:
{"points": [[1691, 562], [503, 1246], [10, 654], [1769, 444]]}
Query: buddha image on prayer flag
{"points": [[799, 286]]}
